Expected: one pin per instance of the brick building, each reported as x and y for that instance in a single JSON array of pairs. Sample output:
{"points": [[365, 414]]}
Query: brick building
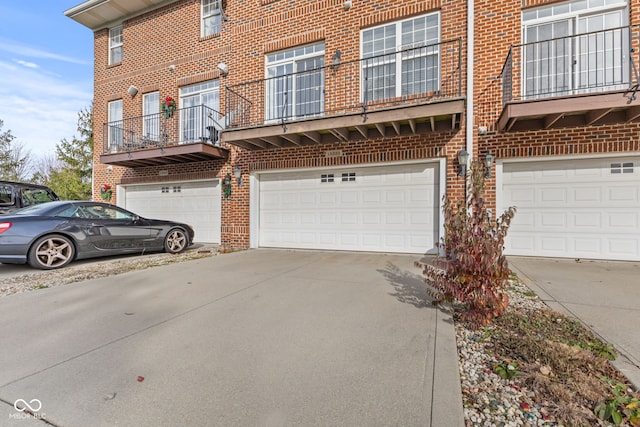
{"points": [[336, 124]]}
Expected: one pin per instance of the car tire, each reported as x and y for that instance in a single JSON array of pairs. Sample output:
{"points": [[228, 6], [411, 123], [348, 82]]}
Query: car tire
{"points": [[176, 241], [50, 252]]}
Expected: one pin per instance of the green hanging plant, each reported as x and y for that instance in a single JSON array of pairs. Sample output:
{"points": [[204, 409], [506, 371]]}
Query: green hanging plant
{"points": [[105, 192], [226, 186]]}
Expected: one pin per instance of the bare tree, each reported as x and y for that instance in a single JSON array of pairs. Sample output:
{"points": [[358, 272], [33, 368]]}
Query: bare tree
{"points": [[14, 161], [43, 167]]}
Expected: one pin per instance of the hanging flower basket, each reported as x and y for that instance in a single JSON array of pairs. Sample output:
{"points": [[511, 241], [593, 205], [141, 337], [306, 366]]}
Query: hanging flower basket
{"points": [[168, 107], [226, 186], [105, 192]]}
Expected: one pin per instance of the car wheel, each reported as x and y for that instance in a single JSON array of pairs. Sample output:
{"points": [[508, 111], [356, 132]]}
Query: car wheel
{"points": [[176, 241], [51, 252]]}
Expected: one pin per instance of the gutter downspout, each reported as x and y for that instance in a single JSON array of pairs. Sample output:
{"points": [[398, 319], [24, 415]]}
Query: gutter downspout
{"points": [[470, 91]]}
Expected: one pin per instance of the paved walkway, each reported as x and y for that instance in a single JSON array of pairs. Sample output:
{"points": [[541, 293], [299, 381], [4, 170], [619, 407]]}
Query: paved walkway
{"points": [[261, 337], [604, 295]]}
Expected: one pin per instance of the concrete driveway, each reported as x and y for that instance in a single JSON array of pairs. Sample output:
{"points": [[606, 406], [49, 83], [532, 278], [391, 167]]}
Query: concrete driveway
{"points": [[604, 295], [261, 337]]}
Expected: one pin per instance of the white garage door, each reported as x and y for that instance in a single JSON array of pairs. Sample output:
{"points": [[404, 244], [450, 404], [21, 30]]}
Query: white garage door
{"points": [[574, 208], [194, 203], [381, 209]]}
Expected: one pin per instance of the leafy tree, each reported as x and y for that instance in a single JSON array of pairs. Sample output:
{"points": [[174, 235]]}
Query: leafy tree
{"points": [[14, 160], [71, 180]]}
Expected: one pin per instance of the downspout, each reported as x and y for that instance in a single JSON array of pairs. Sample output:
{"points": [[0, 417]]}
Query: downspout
{"points": [[470, 64]]}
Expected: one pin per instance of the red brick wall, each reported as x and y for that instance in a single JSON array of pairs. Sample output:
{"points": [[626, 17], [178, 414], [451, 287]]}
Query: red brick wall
{"points": [[171, 36], [497, 26]]}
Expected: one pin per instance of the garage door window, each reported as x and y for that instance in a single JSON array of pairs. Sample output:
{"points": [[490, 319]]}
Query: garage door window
{"points": [[618, 168]]}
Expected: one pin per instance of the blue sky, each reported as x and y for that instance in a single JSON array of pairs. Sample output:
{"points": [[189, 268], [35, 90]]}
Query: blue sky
{"points": [[46, 72]]}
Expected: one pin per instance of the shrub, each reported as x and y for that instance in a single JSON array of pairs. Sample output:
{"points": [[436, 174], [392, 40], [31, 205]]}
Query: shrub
{"points": [[474, 271]]}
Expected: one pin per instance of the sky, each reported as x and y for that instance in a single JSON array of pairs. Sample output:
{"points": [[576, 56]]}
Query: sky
{"points": [[46, 72]]}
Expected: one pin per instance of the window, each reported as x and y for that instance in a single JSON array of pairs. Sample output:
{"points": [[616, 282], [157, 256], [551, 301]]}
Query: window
{"points": [[115, 44], [115, 125], [211, 17], [401, 58], [326, 177], [6, 195], [151, 116], [200, 105], [349, 177], [295, 83], [575, 47], [618, 168]]}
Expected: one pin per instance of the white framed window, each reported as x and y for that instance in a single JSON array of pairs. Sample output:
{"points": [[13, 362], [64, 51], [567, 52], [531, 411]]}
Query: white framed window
{"points": [[294, 86], [115, 44], [575, 47], [211, 17], [401, 58], [200, 106], [151, 116], [115, 126]]}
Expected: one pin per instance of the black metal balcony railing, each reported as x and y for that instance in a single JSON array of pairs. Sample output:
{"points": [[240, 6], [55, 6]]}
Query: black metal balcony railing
{"points": [[411, 76], [598, 61], [198, 124]]}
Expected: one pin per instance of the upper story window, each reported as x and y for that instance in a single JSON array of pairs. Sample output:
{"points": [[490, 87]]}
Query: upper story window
{"points": [[401, 58], [151, 116], [211, 17], [576, 47], [199, 114], [115, 131], [115, 44], [294, 84]]}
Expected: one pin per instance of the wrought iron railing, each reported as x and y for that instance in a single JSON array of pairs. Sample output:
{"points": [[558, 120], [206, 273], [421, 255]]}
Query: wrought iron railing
{"points": [[198, 124], [598, 61], [411, 76]]}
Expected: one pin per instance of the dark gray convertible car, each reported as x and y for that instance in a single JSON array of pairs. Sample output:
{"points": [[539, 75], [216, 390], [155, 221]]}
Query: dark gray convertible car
{"points": [[51, 235]]}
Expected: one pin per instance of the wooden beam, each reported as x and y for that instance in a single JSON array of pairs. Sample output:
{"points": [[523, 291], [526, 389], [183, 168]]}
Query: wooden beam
{"points": [[341, 133], [273, 140], [292, 138], [381, 129], [412, 125], [364, 131], [632, 113], [551, 119], [396, 126], [595, 115], [314, 136], [432, 121]]}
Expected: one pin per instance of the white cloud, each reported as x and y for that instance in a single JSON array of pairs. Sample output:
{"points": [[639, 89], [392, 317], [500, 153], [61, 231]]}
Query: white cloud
{"points": [[17, 48], [26, 63], [40, 109]]}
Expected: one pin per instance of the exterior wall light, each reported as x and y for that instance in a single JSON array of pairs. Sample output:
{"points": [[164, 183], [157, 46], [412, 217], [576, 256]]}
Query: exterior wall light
{"points": [[223, 68], [237, 173], [463, 158], [335, 59], [488, 163], [132, 90]]}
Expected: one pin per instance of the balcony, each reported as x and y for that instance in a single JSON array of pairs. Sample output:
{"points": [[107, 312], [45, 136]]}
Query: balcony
{"points": [[188, 135], [580, 80], [413, 91]]}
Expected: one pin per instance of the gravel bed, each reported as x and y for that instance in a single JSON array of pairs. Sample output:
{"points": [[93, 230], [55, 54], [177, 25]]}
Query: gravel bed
{"points": [[40, 279], [489, 400]]}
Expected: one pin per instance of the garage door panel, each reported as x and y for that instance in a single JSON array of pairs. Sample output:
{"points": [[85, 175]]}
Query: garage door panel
{"points": [[580, 208], [195, 203], [373, 209]]}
